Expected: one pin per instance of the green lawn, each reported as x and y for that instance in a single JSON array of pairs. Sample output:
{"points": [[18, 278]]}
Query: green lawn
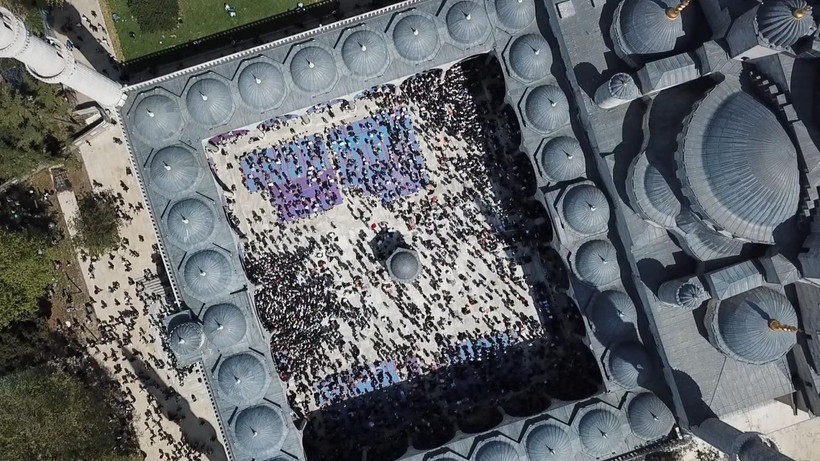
{"points": [[200, 18]]}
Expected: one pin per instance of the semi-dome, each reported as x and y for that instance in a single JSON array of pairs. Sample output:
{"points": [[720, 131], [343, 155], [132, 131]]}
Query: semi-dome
{"points": [[650, 194], [467, 22], [642, 28], [586, 209], [186, 338], [738, 167], [612, 314], [704, 243], [156, 118], [530, 57], [224, 325], [207, 273], [190, 221], [364, 52], [596, 263], [562, 159], [781, 23], [746, 329], [515, 14], [173, 170], [416, 38], [630, 365], [497, 451], [403, 265], [546, 109], [600, 432], [262, 85], [260, 429], [242, 378], [549, 442], [649, 418], [209, 102], [313, 69]]}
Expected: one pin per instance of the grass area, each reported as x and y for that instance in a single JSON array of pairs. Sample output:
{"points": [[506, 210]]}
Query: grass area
{"points": [[200, 18]]}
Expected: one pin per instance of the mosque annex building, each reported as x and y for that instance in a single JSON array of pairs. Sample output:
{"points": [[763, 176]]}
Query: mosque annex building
{"points": [[675, 146]]}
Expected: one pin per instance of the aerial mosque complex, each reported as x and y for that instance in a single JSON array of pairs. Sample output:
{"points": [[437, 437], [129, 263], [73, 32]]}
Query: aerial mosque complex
{"points": [[362, 270]]}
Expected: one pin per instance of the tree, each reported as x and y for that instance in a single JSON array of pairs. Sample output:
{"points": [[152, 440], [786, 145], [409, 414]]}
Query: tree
{"points": [[155, 15], [25, 273], [48, 414], [98, 222]]}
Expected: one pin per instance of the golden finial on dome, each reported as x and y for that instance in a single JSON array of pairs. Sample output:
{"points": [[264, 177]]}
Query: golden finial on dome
{"points": [[775, 325], [800, 13], [675, 11]]}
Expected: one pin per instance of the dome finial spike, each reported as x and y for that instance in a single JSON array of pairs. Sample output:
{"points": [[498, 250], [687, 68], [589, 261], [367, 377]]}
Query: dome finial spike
{"points": [[775, 325], [802, 12], [166, 166], [256, 79], [672, 13], [149, 112], [203, 96]]}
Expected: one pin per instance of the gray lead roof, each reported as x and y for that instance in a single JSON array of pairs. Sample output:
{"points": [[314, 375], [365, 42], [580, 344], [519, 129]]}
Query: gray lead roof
{"points": [[209, 101], [224, 325], [497, 451], [612, 313], [530, 57], [562, 159], [364, 52], [467, 22], [586, 209], [649, 418], [600, 431], [262, 85], [630, 365], [156, 118], [260, 430], [313, 69], [515, 14], [190, 221], [650, 194], [173, 169], [704, 243], [207, 273], [644, 29], [186, 338], [549, 442], [596, 263], [242, 378], [546, 108], [777, 24], [416, 38]]}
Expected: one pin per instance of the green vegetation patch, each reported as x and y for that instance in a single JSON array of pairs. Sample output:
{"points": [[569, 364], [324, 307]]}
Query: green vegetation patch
{"points": [[25, 274], [98, 223], [154, 15]]}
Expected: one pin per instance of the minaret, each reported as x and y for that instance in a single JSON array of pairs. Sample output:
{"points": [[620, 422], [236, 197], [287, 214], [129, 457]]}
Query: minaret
{"points": [[49, 61], [741, 446]]}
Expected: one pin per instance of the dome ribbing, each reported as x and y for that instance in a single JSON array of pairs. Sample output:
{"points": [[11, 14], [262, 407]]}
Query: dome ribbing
{"points": [[467, 22], [649, 418], [416, 38], [612, 314], [364, 52], [190, 221], [782, 23], [650, 194], [207, 273], [546, 109], [313, 69], [224, 325], [596, 263], [173, 170], [186, 338], [262, 85], [157, 118], [630, 365], [242, 378], [549, 442], [703, 242], [497, 451], [600, 431], [515, 14], [641, 27], [586, 209], [562, 159], [209, 102], [260, 429], [530, 57]]}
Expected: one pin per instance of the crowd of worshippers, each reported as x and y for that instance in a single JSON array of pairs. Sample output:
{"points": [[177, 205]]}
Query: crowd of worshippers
{"points": [[303, 299]]}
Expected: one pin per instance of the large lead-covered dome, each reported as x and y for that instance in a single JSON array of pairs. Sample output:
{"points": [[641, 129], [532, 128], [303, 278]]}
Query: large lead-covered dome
{"points": [[650, 194], [738, 166], [467, 22], [630, 365], [596, 263], [781, 23], [207, 273], [600, 431], [612, 314], [497, 451], [364, 52], [260, 429], [744, 328], [530, 58], [649, 418], [546, 109], [313, 69], [416, 38], [262, 85], [190, 221], [586, 209], [157, 118], [173, 170], [549, 442], [515, 14], [224, 325], [242, 378], [562, 159], [209, 102], [642, 28], [186, 338]]}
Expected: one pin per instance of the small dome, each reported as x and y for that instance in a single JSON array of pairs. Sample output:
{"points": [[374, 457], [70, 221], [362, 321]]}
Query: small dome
{"points": [[416, 38], [596, 263], [185, 339], [704, 243], [623, 86], [650, 194], [515, 14], [781, 23], [738, 167], [546, 109], [630, 365], [467, 22], [313, 69], [586, 210], [689, 295], [364, 52], [743, 324], [173, 170], [612, 314], [562, 159], [600, 432], [530, 57], [497, 451], [260, 429], [641, 27], [224, 325], [157, 118], [190, 221], [209, 102], [262, 85], [242, 378], [649, 418], [207, 273], [549, 442], [403, 265]]}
